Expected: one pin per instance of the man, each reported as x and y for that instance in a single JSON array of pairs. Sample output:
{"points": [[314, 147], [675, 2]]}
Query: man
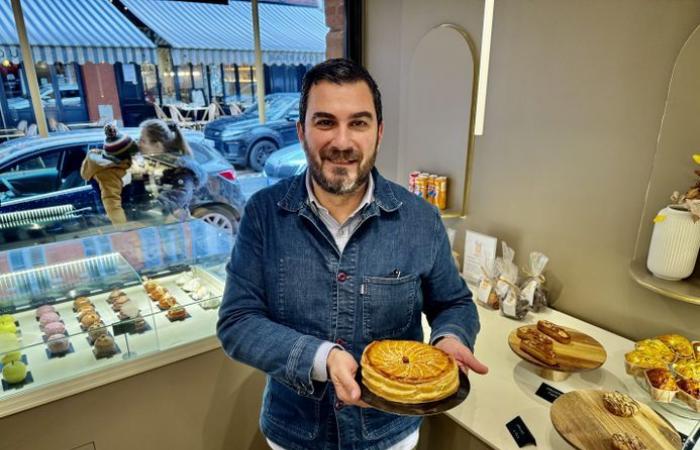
{"points": [[327, 262]]}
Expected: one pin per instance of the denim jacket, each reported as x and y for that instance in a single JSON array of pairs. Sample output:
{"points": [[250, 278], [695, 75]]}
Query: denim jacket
{"points": [[289, 289]]}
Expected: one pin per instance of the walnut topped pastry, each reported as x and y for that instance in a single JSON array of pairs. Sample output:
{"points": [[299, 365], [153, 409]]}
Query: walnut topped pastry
{"points": [[656, 348], [626, 441], [409, 372], [554, 331], [620, 404], [679, 344]]}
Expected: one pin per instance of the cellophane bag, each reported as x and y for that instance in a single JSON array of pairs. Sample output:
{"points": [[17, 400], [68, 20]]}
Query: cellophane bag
{"points": [[486, 290], [533, 288]]}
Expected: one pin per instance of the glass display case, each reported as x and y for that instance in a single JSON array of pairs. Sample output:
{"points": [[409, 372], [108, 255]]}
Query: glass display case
{"points": [[78, 307]]}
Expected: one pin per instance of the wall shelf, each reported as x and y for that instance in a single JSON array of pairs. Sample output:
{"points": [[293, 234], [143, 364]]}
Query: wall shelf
{"points": [[687, 290]]}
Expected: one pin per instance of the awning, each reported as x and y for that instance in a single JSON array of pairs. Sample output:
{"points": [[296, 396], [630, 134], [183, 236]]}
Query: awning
{"points": [[74, 31], [212, 34]]}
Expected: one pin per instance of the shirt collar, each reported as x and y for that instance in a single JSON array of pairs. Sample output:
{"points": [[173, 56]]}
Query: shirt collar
{"points": [[366, 199]]}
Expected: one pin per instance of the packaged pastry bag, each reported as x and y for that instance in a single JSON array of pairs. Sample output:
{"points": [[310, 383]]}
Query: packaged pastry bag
{"points": [[486, 292], [532, 288]]}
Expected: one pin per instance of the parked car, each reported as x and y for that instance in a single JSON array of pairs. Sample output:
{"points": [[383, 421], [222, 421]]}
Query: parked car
{"points": [[284, 163], [40, 172], [243, 140]]}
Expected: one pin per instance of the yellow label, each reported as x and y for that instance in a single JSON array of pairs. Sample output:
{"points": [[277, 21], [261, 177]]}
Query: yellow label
{"points": [[696, 158], [659, 218]]}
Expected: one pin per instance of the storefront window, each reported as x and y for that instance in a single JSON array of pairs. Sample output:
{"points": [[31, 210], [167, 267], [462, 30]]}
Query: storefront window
{"points": [[68, 84], [246, 77], [184, 79], [16, 94], [150, 82], [200, 91], [230, 92], [215, 82]]}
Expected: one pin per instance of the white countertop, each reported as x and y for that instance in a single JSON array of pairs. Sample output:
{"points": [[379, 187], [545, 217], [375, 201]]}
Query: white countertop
{"points": [[508, 390]]}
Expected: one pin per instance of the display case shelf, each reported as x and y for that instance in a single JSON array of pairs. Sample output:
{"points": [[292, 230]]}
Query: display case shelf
{"points": [[686, 290]]}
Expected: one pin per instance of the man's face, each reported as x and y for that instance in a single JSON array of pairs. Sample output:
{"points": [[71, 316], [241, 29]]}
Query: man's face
{"points": [[340, 136]]}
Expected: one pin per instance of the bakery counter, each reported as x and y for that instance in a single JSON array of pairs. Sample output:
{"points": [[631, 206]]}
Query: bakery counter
{"points": [[509, 388], [181, 326]]}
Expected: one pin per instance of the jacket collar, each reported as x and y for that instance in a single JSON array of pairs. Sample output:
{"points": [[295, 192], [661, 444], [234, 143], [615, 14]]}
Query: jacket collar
{"points": [[296, 196]]}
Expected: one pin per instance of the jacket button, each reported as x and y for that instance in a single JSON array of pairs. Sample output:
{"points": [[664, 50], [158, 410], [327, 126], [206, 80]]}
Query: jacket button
{"points": [[338, 404], [342, 276]]}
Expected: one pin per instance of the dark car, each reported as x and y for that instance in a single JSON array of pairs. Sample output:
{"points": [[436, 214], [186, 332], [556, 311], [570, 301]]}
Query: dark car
{"points": [[243, 140], [285, 163], [40, 179]]}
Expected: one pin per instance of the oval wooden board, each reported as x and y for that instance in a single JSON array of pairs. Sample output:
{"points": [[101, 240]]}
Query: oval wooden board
{"points": [[582, 420], [581, 354]]}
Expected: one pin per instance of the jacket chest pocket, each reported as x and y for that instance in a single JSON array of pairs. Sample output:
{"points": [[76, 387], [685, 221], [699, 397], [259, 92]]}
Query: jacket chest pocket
{"points": [[388, 306]]}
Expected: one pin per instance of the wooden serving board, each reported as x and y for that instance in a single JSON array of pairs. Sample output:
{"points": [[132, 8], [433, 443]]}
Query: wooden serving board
{"points": [[582, 420], [581, 354]]}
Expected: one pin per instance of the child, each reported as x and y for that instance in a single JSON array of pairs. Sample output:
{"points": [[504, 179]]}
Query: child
{"points": [[108, 167]]}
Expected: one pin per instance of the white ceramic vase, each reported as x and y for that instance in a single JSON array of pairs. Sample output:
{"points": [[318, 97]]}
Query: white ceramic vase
{"points": [[675, 243]]}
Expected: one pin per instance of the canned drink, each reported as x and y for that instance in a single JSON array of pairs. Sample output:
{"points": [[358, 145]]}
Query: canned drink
{"points": [[412, 181], [422, 186], [432, 197], [442, 192]]}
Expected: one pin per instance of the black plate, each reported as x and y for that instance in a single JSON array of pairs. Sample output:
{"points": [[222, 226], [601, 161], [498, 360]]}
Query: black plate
{"points": [[418, 409]]}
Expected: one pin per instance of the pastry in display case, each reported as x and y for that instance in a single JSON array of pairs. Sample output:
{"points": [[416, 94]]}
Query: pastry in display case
{"points": [[71, 308], [667, 368]]}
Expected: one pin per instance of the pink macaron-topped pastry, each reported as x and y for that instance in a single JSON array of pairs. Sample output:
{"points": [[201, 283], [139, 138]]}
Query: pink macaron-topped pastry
{"points": [[47, 318], [58, 343], [53, 328], [44, 309]]}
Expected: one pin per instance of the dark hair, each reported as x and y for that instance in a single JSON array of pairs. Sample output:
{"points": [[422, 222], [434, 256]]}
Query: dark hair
{"points": [[338, 71], [169, 134]]}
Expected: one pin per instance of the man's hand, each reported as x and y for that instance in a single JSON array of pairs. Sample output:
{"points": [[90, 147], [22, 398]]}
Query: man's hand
{"points": [[342, 368], [461, 353]]}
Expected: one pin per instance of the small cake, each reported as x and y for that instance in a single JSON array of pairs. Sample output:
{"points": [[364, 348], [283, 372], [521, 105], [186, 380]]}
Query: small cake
{"points": [[58, 344], [679, 344], [157, 293], [554, 331], [81, 301], [626, 441], [200, 294], [620, 404], [192, 285], [44, 309], [183, 278], [166, 302], [8, 327], [7, 318], [85, 310], [9, 347], [689, 392], [119, 302], [48, 318], [636, 362], [104, 346], [656, 348], [96, 330], [662, 385], [149, 285], [54, 328], [177, 313], [138, 324], [88, 319], [14, 372], [408, 372], [128, 310], [113, 295]]}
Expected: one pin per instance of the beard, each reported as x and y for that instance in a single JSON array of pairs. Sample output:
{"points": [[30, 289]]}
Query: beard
{"points": [[341, 181]]}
